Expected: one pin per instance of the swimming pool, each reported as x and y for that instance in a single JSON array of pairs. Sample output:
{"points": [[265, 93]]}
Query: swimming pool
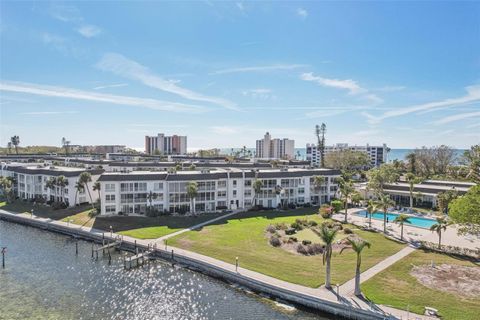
{"points": [[414, 221]]}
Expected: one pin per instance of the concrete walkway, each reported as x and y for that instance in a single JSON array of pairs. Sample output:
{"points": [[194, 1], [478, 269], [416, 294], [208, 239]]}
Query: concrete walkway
{"points": [[349, 301], [348, 287]]}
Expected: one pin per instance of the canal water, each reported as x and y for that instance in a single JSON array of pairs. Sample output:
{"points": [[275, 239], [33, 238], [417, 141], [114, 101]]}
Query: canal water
{"points": [[44, 279]]}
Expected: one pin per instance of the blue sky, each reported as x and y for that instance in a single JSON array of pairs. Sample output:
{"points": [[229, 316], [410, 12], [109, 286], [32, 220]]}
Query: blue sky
{"points": [[223, 73]]}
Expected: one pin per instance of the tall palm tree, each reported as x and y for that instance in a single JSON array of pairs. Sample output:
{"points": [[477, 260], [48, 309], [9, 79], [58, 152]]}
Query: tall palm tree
{"points": [[16, 142], [257, 188], [192, 192], [328, 237], [412, 180], [79, 187], [61, 182], [96, 187], [84, 179], [384, 202], [65, 144], [438, 227], [371, 208], [9, 147], [318, 182], [357, 245], [401, 220], [150, 197], [346, 189]]}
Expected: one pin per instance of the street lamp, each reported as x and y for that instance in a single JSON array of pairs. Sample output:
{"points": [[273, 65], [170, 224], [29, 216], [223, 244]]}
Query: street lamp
{"points": [[31, 213], [111, 231], [236, 264]]}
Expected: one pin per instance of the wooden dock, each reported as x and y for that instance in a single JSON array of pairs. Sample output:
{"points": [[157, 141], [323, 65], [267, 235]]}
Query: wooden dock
{"points": [[136, 260]]}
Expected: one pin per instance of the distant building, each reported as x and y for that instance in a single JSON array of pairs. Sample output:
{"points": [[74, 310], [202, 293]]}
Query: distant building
{"points": [[268, 148], [162, 144], [377, 154], [104, 149]]}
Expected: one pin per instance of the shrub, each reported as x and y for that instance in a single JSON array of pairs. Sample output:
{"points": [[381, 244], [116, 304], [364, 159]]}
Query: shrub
{"points": [[312, 223], [306, 242], [271, 228], [301, 249], [337, 205], [293, 239], [290, 231], [281, 226], [325, 211], [275, 241], [347, 231], [296, 226], [338, 225], [317, 248]]}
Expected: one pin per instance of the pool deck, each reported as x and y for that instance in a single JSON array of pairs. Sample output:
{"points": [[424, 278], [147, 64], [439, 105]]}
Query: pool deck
{"points": [[413, 234]]}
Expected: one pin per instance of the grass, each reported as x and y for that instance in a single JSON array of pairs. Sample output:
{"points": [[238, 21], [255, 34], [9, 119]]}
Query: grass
{"points": [[396, 287], [308, 234], [243, 236], [133, 226]]}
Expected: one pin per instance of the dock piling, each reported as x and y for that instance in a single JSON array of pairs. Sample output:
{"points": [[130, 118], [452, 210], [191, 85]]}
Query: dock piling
{"points": [[4, 250]]}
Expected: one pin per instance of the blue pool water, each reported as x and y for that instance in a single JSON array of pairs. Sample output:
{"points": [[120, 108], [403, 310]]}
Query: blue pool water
{"points": [[414, 221]]}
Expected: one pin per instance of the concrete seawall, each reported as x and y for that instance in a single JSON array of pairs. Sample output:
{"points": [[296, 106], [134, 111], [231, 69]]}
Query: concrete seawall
{"points": [[338, 309]]}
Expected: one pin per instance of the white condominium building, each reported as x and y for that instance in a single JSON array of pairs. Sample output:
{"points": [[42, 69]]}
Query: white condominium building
{"points": [[30, 183], [268, 148], [165, 145], [377, 154], [219, 189]]}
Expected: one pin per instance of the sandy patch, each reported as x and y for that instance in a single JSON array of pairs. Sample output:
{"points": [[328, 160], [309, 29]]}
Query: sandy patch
{"points": [[460, 280]]}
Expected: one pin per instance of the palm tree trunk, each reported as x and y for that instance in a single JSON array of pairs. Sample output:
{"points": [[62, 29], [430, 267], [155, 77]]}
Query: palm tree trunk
{"points": [[89, 195], [411, 200], [401, 234], [357, 292], [16, 150], [328, 280], [440, 240], [346, 208], [385, 221]]}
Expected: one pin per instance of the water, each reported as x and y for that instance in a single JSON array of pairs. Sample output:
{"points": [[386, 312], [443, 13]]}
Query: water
{"points": [[45, 280], [414, 221]]}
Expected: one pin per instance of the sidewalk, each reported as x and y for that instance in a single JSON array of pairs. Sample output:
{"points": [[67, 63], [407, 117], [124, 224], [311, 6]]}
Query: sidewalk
{"points": [[315, 293]]}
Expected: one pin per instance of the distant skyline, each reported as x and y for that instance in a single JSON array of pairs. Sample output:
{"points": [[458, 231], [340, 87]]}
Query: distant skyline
{"points": [[223, 73]]}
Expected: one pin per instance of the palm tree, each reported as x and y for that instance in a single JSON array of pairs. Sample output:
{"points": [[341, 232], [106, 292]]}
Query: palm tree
{"points": [[345, 188], [150, 197], [318, 182], [9, 147], [51, 184], [412, 180], [16, 142], [357, 245], [192, 191], [257, 188], [65, 144], [78, 188], [328, 237], [441, 224], [401, 220], [371, 208], [84, 179], [96, 187], [384, 202], [61, 182]]}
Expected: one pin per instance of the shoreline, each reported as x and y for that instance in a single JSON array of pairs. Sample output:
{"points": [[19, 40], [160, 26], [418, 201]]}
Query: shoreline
{"points": [[310, 302]]}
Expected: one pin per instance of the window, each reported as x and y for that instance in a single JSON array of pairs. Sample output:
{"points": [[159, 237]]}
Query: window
{"points": [[234, 193], [109, 187], [221, 194], [110, 209], [110, 198], [248, 183], [234, 183], [158, 186], [222, 184]]}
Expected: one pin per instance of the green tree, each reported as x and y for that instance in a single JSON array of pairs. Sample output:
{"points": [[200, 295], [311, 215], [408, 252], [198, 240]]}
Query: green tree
{"points": [[412, 181], [328, 237], [411, 159], [192, 192], [257, 188], [346, 189], [6, 184], [79, 187], [438, 227], [371, 208], [471, 159], [61, 182], [318, 182], [96, 187], [347, 160], [357, 245], [444, 199], [465, 211], [51, 184], [84, 179], [378, 177], [384, 202], [401, 220]]}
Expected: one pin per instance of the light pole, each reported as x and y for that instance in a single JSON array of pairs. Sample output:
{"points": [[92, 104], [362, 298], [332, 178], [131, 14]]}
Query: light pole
{"points": [[31, 213], [236, 264], [111, 231], [4, 250], [338, 291]]}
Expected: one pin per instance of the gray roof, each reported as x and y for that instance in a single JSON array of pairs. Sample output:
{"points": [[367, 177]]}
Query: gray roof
{"points": [[52, 172]]}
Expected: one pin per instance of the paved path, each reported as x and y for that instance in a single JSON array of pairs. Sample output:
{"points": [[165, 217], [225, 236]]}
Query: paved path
{"points": [[322, 293], [348, 287], [161, 239]]}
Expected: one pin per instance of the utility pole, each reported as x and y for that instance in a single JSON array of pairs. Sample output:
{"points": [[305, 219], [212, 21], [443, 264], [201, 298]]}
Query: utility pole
{"points": [[320, 132]]}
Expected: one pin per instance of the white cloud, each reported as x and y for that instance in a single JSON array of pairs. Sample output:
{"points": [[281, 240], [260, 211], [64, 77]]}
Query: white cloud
{"points": [[277, 67], [111, 86], [65, 13], [350, 85], [89, 31], [456, 117], [130, 69], [260, 93], [303, 13], [46, 113], [473, 94], [390, 88], [62, 92]]}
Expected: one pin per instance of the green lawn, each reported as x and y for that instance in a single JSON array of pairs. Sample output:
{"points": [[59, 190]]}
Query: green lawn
{"points": [[243, 236], [396, 287]]}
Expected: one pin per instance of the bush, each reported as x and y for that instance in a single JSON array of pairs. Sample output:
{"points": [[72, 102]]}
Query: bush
{"points": [[275, 241], [290, 231], [338, 225], [296, 226], [271, 228], [317, 248], [312, 223], [306, 242], [325, 211], [293, 239], [347, 231], [281, 226], [337, 205], [301, 249]]}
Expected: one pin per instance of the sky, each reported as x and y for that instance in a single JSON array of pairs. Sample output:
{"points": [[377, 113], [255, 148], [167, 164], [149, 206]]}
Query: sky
{"points": [[223, 73]]}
